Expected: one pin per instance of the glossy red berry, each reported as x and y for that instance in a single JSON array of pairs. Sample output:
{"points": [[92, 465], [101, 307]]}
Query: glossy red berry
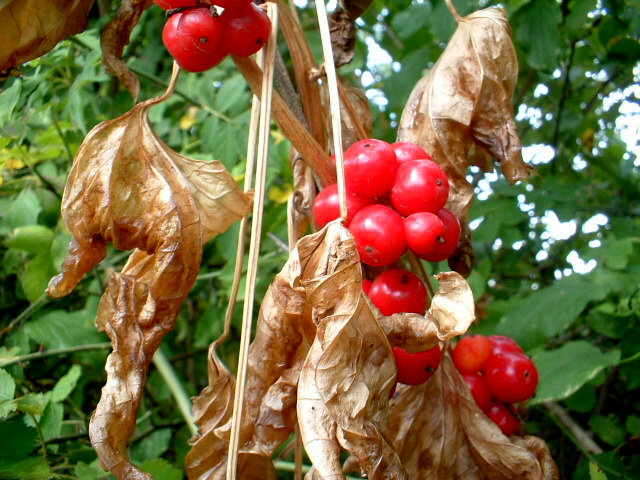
{"points": [[471, 353], [422, 230], [194, 39], [448, 241], [406, 151], [397, 290], [416, 368], [379, 235], [479, 390], [326, 206], [419, 186], [231, 3], [503, 417], [370, 166], [247, 29], [171, 4], [501, 343], [511, 377], [366, 285]]}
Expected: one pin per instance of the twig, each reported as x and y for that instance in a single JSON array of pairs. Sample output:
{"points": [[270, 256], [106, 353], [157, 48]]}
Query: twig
{"points": [[52, 353], [26, 313], [586, 442]]}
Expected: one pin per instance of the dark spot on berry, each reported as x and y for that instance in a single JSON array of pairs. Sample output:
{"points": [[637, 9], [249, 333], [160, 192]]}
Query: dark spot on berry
{"points": [[438, 182], [203, 40], [368, 248], [429, 369], [441, 239], [405, 279]]}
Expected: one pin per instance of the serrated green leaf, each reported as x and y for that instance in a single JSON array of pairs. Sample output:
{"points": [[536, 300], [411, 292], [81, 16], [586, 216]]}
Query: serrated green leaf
{"points": [[7, 386], [35, 277], [564, 370], [32, 403], [66, 384], [24, 210], [17, 440], [152, 446], [51, 421], [161, 470], [8, 100], [536, 29], [33, 468], [31, 238], [533, 320]]}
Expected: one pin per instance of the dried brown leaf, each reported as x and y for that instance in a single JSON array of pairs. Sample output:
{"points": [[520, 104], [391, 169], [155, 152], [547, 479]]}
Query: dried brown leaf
{"points": [[30, 28], [464, 101], [128, 188], [342, 24], [441, 433], [115, 37]]}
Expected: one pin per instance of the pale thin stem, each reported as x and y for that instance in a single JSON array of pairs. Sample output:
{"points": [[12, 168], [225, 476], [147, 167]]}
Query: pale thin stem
{"points": [[180, 396], [298, 454], [585, 440], [254, 244], [52, 353], [334, 103], [26, 313]]}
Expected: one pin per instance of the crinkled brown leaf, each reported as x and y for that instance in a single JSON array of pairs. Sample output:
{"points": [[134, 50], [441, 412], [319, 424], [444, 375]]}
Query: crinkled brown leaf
{"points": [[440, 433], [128, 188], [342, 24], [31, 28], [464, 102], [322, 356], [115, 37]]}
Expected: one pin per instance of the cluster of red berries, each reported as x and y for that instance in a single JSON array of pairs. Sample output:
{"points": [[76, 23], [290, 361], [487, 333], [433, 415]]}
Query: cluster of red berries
{"points": [[198, 37], [395, 201], [499, 374]]}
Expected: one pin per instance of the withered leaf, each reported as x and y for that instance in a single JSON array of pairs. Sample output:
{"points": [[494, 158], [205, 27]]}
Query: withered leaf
{"points": [[441, 433], [342, 25], [465, 102], [115, 37], [128, 188], [322, 357], [30, 28]]}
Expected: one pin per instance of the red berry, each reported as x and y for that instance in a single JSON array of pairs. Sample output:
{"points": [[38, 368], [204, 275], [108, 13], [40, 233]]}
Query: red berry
{"points": [[398, 290], [171, 4], [422, 230], [416, 368], [406, 151], [247, 29], [194, 39], [370, 166], [326, 206], [366, 285], [471, 353], [419, 186], [448, 241], [231, 3], [379, 235], [479, 390], [501, 415], [500, 343], [511, 377]]}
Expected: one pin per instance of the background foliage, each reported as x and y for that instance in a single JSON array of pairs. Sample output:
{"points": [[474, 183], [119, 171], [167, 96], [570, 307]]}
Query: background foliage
{"points": [[558, 258]]}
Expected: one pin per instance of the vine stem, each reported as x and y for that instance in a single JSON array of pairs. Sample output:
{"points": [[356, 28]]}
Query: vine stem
{"points": [[53, 353], [170, 377], [26, 313], [254, 243]]}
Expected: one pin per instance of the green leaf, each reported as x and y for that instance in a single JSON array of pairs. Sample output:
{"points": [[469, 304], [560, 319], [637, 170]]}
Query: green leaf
{"points": [[87, 472], [24, 210], [161, 470], [533, 320], [34, 468], [595, 472], [404, 24], [32, 403], [62, 329], [66, 384], [633, 425], [31, 238], [35, 277], [564, 370], [536, 30], [152, 446], [51, 421], [8, 100], [7, 391], [616, 253], [17, 440], [607, 429]]}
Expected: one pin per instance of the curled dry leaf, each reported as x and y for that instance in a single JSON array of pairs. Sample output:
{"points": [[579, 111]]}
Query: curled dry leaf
{"points": [[464, 103], [322, 357], [342, 24], [441, 433], [128, 188], [30, 28], [115, 37]]}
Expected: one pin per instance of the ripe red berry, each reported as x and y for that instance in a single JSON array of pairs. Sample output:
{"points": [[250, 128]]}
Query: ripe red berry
{"points": [[416, 368], [379, 235], [471, 352], [398, 290], [500, 344], [501, 415], [231, 3], [448, 241], [171, 4], [419, 186], [511, 377], [406, 151], [194, 39], [370, 166], [366, 285], [247, 28], [422, 230], [326, 206], [479, 390]]}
